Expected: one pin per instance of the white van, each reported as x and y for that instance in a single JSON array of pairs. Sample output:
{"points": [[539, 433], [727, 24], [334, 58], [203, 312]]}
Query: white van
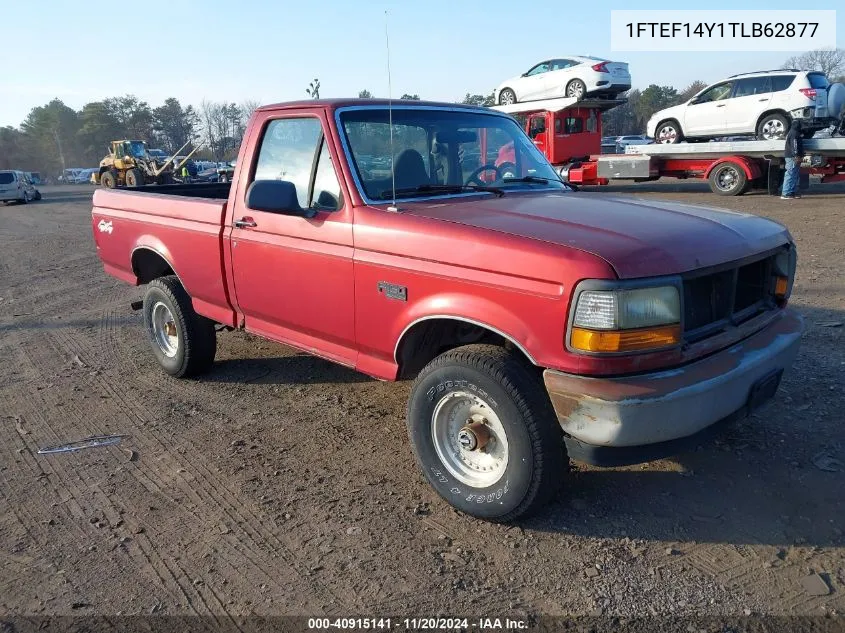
{"points": [[16, 186]]}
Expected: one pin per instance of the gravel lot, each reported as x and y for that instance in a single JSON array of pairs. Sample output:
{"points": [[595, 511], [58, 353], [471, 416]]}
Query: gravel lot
{"points": [[283, 484]]}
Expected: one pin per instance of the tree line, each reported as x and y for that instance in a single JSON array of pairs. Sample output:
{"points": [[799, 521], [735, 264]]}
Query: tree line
{"points": [[55, 136]]}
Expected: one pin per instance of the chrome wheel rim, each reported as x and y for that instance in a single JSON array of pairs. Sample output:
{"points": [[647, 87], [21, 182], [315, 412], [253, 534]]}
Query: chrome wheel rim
{"points": [[727, 178], [506, 98], [773, 129], [459, 418], [164, 330], [667, 134]]}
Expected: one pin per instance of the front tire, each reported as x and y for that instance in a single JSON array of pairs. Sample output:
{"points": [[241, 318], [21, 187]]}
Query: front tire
{"points": [[772, 127], [507, 97], [483, 432], [108, 179], [183, 342], [668, 132]]}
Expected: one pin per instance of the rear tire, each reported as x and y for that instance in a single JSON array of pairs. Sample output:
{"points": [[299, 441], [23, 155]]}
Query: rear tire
{"points": [[576, 89], [134, 177], [37, 196], [108, 179], [728, 179], [183, 342], [507, 97], [772, 127], [519, 458]]}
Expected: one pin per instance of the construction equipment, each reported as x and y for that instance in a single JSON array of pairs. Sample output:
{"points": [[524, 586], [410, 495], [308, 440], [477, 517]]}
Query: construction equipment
{"points": [[129, 163]]}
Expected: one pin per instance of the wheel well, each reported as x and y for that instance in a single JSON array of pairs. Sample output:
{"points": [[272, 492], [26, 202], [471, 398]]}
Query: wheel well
{"points": [[768, 112], [427, 339], [148, 265]]}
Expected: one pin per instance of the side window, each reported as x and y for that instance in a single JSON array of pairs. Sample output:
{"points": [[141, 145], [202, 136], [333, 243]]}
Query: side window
{"points": [[781, 82], [752, 86], [717, 93], [569, 125], [287, 153], [538, 69], [326, 195], [560, 64]]}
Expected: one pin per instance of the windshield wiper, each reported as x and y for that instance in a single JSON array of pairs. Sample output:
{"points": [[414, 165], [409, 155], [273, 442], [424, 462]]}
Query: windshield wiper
{"points": [[423, 189], [536, 179]]}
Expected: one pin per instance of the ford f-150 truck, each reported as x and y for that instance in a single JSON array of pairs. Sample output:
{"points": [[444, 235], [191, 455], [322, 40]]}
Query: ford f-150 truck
{"points": [[539, 324]]}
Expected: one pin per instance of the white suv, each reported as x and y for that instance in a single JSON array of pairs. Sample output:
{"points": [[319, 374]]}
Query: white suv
{"points": [[760, 103]]}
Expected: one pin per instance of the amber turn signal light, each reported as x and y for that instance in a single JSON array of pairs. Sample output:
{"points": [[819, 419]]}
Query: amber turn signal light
{"points": [[625, 340], [781, 286]]}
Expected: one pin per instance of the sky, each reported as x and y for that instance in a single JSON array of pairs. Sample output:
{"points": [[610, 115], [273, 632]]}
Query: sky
{"points": [[269, 50]]}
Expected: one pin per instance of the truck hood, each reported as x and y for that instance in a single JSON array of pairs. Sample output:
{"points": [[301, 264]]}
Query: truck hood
{"points": [[637, 237]]}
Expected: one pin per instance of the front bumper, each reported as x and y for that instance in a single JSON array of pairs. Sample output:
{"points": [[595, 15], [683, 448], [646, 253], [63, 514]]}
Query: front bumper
{"points": [[660, 408]]}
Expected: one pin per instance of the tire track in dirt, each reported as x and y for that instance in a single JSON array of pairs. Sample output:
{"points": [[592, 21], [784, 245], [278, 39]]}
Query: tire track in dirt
{"points": [[169, 579], [198, 488]]}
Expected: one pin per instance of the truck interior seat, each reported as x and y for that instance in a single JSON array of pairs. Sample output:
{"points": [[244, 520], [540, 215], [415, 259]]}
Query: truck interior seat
{"points": [[409, 170]]}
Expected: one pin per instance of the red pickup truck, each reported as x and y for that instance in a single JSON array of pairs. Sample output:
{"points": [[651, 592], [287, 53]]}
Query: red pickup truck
{"points": [[539, 324]]}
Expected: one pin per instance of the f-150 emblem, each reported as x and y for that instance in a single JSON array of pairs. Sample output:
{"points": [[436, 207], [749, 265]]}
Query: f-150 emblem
{"points": [[105, 226]]}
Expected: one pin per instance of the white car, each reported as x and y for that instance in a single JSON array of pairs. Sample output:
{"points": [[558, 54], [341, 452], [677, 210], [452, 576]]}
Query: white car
{"points": [[16, 186], [761, 104], [566, 77]]}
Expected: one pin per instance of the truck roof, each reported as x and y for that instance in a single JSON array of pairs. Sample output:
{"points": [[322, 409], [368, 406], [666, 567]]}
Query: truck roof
{"points": [[333, 104]]}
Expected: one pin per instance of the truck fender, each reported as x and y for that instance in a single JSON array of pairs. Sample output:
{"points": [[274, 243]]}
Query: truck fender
{"points": [[750, 167], [469, 309]]}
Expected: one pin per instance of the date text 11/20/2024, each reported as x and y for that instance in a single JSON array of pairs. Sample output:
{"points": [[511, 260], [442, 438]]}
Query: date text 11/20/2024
{"points": [[418, 624]]}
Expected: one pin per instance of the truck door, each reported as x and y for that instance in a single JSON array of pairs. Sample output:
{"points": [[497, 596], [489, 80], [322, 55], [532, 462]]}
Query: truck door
{"points": [[293, 276]]}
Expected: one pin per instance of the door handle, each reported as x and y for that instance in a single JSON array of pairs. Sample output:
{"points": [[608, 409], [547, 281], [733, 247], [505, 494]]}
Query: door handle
{"points": [[762, 99], [245, 223], [721, 105]]}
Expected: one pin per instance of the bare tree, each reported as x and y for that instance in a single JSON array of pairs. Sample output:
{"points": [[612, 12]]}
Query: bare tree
{"points": [[829, 61]]}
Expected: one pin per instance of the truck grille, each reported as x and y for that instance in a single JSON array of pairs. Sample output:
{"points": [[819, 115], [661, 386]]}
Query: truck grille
{"points": [[717, 300]]}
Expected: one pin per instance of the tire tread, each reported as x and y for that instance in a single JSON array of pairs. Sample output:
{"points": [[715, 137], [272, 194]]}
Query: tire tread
{"points": [[198, 335], [532, 401]]}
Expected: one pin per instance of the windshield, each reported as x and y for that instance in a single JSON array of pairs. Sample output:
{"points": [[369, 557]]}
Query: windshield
{"points": [[137, 149], [6, 178], [442, 149]]}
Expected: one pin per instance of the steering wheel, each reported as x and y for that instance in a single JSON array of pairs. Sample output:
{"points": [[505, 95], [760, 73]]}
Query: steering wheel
{"points": [[474, 176]]}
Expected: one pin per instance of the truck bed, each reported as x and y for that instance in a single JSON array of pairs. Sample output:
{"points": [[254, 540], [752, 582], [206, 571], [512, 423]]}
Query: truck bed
{"points": [[177, 226], [214, 190]]}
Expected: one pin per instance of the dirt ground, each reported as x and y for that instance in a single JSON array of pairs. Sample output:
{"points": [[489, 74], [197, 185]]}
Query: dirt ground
{"points": [[283, 484]]}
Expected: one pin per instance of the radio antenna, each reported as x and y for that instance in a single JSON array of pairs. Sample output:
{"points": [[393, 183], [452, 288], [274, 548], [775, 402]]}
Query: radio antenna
{"points": [[390, 114]]}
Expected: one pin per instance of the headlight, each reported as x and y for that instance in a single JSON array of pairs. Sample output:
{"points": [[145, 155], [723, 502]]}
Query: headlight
{"points": [[626, 320], [784, 273]]}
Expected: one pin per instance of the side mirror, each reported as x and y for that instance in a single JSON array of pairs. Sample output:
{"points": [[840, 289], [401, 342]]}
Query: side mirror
{"points": [[276, 196]]}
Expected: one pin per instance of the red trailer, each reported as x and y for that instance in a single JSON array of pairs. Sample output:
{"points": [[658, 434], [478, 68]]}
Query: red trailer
{"points": [[569, 133]]}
